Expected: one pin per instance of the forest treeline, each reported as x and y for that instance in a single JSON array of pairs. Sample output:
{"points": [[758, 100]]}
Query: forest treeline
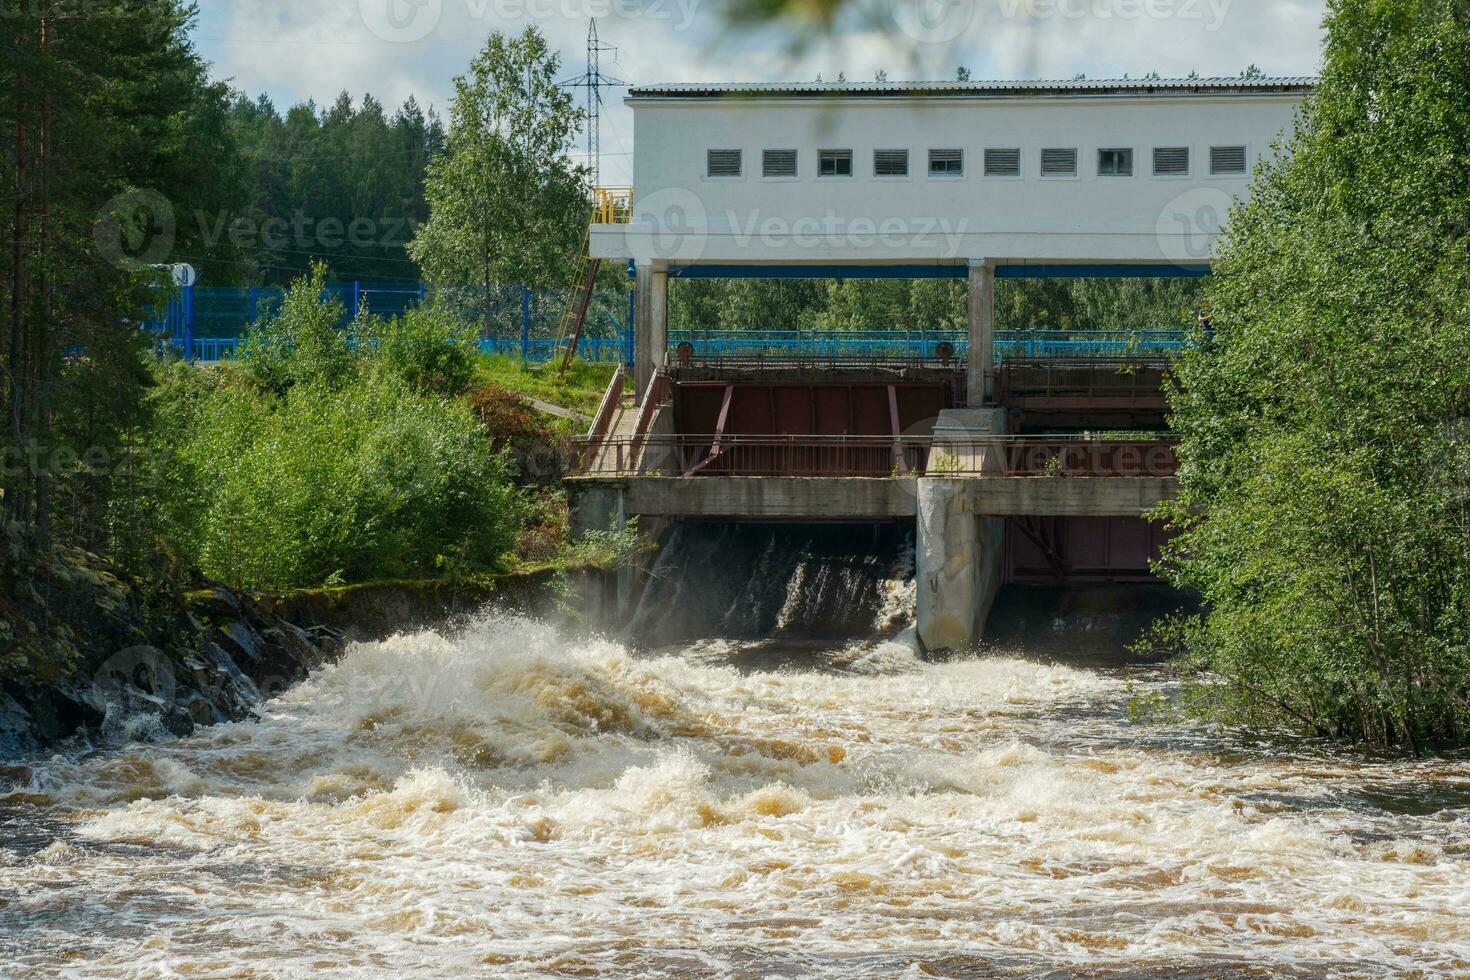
{"points": [[341, 184]]}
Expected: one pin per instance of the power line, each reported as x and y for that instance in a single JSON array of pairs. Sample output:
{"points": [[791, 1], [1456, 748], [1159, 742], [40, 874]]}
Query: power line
{"points": [[593, 81]]}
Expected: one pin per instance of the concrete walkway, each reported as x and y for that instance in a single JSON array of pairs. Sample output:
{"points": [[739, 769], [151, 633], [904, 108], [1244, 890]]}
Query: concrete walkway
{"points": [[547, 408]]}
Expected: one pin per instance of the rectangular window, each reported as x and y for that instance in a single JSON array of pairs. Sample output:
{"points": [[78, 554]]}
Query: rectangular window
{"points": [[946, 163], [1227, 159], [1002, 163], [890, 163], [1058, 163], [1171, 161], [1115, 163], [722, 163], [778, 163], [834, 163]]}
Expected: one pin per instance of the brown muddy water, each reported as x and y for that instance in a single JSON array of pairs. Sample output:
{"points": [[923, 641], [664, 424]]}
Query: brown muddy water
{"points": [[506, 801]]}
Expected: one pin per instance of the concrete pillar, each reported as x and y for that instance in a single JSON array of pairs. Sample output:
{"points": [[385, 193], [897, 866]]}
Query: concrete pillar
{"points": [[959, 563], [650, 324], [658, 301], [642, 328], [980, 383], [960, 554], [603, 507]]}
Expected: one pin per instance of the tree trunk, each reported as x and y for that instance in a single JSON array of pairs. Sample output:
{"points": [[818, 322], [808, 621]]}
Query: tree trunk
{"points": [[17, 407], [40, 330]]}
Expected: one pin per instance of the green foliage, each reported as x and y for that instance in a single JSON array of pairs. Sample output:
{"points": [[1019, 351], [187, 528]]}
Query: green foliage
{"points": [[430, 349], [506, 206], [580, 388], [374, 481], [927, 304], [301, 344], [1325, 488], [327, 457], [610, 548]]}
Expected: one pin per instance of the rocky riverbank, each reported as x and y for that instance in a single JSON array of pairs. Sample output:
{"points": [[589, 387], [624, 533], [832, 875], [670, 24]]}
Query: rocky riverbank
{"points": [[160, 666], [215, 660]]}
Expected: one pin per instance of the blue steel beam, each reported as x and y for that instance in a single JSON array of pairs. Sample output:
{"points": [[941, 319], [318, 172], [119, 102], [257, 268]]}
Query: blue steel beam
{"points": [[1094, 270]]}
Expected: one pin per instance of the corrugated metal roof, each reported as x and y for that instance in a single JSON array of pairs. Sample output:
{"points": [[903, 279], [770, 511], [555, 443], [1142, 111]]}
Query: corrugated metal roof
{"points": [[1103, 86]]}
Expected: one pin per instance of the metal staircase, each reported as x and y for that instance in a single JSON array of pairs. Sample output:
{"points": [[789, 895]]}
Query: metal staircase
{"points": [[610, 206]]}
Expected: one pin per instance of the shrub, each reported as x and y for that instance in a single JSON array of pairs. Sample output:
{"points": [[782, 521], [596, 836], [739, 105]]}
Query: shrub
{"points": [[372, 481], [431, 349], [303, 342], [328, 455], [510, 423]]}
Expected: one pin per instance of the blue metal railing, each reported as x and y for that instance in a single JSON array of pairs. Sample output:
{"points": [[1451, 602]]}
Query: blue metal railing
{"points": [[1090, 343], [876, 344], [926, 343], [208, 324]]}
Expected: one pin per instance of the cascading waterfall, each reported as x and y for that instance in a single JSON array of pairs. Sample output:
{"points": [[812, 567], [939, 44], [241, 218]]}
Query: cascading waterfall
{"points": [[783, 582]]}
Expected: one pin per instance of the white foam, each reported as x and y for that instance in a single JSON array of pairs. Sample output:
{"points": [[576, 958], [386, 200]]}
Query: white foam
{"points": [[505, 800]]}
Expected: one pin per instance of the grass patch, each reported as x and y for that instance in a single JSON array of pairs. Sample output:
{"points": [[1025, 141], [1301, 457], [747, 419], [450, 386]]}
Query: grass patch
{"points": [[580, 389]]}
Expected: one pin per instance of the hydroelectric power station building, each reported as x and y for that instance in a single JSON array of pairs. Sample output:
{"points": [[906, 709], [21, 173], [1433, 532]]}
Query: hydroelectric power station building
{"points": [[987, 445]]}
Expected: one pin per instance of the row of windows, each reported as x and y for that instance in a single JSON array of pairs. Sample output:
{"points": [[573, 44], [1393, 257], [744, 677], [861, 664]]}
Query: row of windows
{"points": [[1168, 161]]}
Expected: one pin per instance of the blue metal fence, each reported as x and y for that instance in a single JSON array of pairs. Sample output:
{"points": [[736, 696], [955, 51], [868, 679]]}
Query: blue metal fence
{"points": [[208, 324]]}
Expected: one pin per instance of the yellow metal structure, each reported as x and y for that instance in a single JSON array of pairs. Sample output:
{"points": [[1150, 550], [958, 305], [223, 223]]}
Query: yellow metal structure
{"points": [[610, 206]]}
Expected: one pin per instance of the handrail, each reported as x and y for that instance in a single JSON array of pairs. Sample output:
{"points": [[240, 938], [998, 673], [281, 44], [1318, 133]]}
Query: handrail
{"points": [[608, 407], [1047, 456], [657, 394], [612, 205]]}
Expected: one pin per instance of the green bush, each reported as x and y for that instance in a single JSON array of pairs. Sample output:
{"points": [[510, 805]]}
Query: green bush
{"points": [[328, 456], [302, 343], [372, 481], [431, 349]]}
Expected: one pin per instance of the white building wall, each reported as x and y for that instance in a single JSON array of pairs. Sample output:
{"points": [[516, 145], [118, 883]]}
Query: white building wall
{"points": [[681, 215]]}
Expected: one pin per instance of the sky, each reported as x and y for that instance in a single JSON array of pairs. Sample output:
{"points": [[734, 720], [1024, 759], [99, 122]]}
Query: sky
{"points": [[294, 50]]}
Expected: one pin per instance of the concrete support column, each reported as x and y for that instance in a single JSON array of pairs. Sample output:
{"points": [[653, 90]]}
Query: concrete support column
{"points": [[960, 552], [959, 562], [980, 383], [604, 507], [651, 324], [642, 329], [659, 315]]}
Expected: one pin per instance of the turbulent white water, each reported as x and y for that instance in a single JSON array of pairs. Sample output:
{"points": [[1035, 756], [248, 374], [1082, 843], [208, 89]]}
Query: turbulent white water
{"points": [[509, 802]]}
